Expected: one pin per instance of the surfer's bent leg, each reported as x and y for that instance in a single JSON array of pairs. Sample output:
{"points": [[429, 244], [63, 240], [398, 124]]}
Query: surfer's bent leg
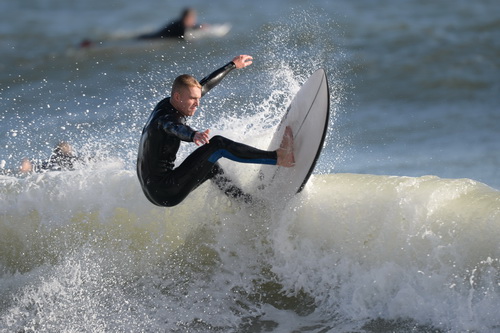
{"points": [[220, 146], [202, 165]]}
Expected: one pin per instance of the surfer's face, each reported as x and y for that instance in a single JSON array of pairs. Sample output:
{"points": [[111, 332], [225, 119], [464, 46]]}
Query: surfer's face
{"points": [[187, 100]]}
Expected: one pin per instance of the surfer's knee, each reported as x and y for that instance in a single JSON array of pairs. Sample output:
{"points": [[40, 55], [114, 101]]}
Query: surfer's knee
{"points": [[217, 138], [218, 141]]}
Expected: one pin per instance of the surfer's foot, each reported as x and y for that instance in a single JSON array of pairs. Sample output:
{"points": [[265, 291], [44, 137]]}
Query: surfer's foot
{"points": [[285, 152]]}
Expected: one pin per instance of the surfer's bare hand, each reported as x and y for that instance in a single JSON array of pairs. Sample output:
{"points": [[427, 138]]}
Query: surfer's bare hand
{"points": [[242, 61], [201, 138]]}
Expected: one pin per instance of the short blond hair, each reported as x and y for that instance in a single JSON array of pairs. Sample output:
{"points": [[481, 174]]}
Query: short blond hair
{"points": [[184, 81]]}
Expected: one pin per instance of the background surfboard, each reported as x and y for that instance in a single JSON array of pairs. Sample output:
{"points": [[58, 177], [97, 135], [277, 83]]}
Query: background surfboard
{"points": [[131, 43], [209, 31], [307, 116]]}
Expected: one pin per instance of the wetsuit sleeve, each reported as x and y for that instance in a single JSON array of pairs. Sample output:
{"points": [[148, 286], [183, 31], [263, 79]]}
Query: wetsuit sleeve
{"points": [[181, 131], [210, 81]]}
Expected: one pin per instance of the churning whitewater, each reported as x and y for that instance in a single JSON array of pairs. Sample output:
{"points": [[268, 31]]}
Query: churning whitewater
{"points": [[92, 254]]}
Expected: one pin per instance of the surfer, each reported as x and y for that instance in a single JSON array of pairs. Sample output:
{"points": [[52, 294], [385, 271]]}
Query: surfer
{"points": [[63, 158], [165, 185], [177, 28], [173, 29]]}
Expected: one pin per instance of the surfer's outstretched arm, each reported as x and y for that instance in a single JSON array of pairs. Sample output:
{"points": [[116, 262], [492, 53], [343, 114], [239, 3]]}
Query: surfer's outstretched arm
{"points": [[210, 81]]}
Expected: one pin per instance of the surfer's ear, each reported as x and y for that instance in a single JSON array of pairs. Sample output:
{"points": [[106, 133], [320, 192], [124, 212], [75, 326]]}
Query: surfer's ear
{"points": [[176, 96]]}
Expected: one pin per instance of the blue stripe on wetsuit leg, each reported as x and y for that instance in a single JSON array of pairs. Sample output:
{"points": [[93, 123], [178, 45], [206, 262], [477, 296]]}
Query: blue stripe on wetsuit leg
{"points": [[224, 153]]}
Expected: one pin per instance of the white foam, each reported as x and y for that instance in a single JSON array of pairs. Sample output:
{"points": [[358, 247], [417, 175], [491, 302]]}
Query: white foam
{"points": [[394, 247]]}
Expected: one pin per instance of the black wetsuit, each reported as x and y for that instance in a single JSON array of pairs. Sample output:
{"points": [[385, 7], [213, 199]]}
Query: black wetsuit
{"points": [[161, 137], [175, 29], [59, 161]]}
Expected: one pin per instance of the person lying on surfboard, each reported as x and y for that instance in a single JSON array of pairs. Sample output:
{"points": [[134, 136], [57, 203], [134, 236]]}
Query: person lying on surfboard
{"points": [[172, 30], [165, 185]]}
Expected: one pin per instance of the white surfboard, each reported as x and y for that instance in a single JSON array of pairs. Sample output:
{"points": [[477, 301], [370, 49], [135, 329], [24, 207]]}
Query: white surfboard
{"points": [[307, 116], [209, 31]]}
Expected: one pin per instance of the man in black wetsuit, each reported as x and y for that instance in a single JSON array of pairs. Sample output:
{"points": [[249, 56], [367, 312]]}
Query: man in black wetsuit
{"points": [[166, 127], [177, 28]]}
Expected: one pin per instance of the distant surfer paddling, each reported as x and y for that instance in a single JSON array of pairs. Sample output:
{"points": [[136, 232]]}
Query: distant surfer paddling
{"points": [[165, 185], [175, 29]]}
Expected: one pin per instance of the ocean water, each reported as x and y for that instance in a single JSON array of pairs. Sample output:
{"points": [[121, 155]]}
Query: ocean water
{"points": [[397, 230]]}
